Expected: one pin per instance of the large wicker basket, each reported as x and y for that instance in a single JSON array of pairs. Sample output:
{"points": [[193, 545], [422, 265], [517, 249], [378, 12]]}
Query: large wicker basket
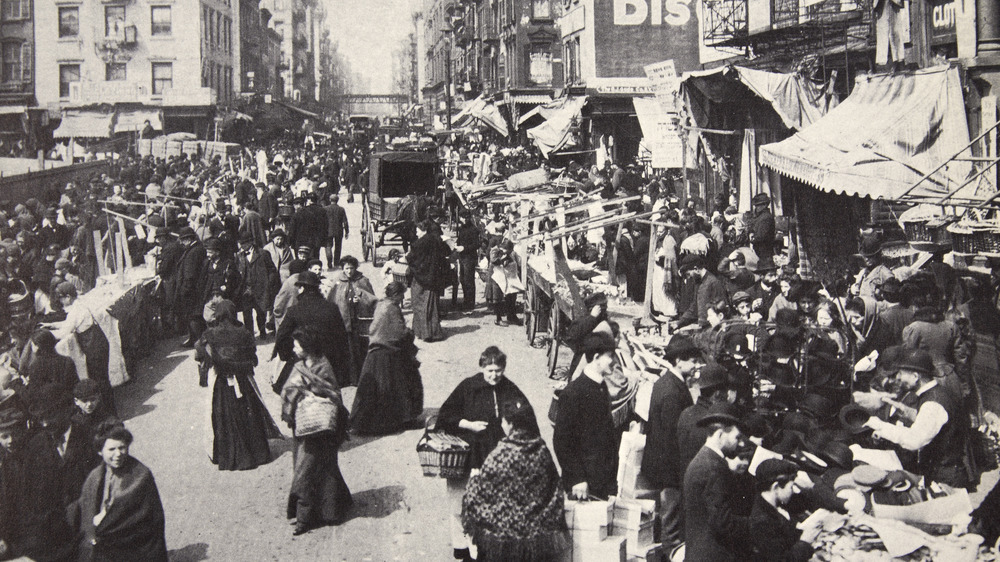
{"points": [[975, 237], [443, 455], [925, 228]]}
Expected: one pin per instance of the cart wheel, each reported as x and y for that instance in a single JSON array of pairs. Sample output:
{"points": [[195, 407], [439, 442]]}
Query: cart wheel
{"points": [[530, 317], [368, 246]]}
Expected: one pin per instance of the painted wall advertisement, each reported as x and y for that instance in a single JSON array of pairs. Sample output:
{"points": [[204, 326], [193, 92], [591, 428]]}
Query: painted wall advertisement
{"points": [[630, 34]]}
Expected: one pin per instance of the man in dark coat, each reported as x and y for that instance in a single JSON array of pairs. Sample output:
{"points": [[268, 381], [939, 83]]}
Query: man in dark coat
{"points": [[220, 274], [714, 388], [313, 312], [761, 228], [188, 280], [711, 291], [267, 205], [775, 536], [715, 528], [309, 226], [467, 244], [167, 261], [582, 326], [661, 462], [338, 230], [584, 439], [260, 282]]}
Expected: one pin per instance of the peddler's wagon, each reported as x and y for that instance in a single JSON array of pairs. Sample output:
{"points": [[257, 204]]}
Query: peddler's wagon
{"points": [[398, 180]]}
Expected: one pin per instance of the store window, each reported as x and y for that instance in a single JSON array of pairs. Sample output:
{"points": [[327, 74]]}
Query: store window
{"points": [[114, 21], [114, 71], [69, 21], [540, 65], [68, 74], [163, 77], [161, 18]]}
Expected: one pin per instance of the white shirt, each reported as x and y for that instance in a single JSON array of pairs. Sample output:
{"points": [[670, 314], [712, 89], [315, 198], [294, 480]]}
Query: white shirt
{"points": [[931, 417]]}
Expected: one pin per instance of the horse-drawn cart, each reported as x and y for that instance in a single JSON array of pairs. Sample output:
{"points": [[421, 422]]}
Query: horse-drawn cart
{"points": [[397, 180]]}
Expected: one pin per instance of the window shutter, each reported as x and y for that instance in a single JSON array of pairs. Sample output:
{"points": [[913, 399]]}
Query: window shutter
{"points": [[27, 61]]}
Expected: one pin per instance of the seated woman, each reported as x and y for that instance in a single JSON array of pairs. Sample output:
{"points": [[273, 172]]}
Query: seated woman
{"points": [[513, 509], [119, 515]]}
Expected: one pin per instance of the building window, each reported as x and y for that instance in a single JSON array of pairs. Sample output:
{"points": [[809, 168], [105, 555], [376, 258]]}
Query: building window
{"points": [[114, 71], [16, 9], [12, 62], [68, 74], [541, 9], [161, 20], [540, 65], [163, 77], [69, 21], [114, 21]]}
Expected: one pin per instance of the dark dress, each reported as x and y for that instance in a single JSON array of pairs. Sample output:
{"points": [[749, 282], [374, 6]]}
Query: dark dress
{"points": [[428, 259], [390, 392], [241, 423], [355, 298], [132, 528], [474, 399], [313, 312], [319, 493]]}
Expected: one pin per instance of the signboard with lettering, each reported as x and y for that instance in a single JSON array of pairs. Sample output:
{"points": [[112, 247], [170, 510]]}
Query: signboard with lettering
{"points": [[942, 17], [665, 83], [118, 91], [630, 34]]}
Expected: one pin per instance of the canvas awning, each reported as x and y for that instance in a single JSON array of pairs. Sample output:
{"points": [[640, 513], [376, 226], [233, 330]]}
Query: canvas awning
{"points": [[556, 131], [485, 112], [135, 120], [891, 130], [305, 112], [85, 124]]}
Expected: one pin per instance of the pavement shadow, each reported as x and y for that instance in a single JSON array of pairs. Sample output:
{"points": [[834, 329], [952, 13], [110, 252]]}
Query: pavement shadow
{"points": [[190, 553], [456, 330], [378, 503], [131, 398], [356, 440]]}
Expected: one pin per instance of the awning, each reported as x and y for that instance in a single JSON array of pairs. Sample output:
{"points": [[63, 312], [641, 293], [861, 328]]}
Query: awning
{"points": [[85, 124], [879, 142], [546, 110], [529, 98], [135, 119], [12, 109], [300, 110], [485, 112], [556, 131]]}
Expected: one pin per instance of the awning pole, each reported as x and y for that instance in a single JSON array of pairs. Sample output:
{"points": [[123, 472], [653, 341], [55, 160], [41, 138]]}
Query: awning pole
{"points": [[945, 163], [967, 182]]}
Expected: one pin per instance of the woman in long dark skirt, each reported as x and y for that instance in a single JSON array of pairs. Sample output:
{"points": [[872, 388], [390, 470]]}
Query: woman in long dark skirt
{"points": [[319, 494], [427, 258], [390, 392], [353, 294], [241, 425]]}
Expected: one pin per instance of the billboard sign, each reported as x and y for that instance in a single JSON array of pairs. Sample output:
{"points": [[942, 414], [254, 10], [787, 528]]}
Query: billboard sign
{"points": [[630, 34]]}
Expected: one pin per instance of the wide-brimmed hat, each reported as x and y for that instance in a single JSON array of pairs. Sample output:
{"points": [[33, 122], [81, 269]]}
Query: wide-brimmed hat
{"points": [[871, 246], [724, 413], [186, 232], [713, 375], [761, 199]]}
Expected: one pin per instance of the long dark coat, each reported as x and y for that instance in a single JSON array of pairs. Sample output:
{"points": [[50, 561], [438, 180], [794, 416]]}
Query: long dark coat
{"points": [[260, 277], [188, 280], [428, 260], [132, 528], [661, 461], [313, 312], [584, 438], [309, 227], [714, 529]]}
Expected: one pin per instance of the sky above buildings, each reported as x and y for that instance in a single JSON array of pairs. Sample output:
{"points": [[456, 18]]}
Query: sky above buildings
{"points": [[368, 32]]}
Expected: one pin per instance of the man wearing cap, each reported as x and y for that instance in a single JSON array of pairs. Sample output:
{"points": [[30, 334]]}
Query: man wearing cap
{"points": [[710, 291], [714, 387], [939, 429], [760, 227], [873, 273], [775, 536], [582, 326], [260, 283], [584, 438], [338, 230], [715, 527], [189, 273], [313, 312], [661, 463]]}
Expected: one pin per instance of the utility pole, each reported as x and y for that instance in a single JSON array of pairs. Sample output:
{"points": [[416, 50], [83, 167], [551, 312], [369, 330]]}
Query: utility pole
{"points": [[447, 78]]}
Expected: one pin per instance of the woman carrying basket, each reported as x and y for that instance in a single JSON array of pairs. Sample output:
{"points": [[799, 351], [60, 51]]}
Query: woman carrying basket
{"points": [[353, 294], [319, 493], [473, 413]]}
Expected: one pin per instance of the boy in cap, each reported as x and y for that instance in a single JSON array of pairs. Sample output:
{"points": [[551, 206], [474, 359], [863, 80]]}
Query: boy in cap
{"points": [[775, 536]]}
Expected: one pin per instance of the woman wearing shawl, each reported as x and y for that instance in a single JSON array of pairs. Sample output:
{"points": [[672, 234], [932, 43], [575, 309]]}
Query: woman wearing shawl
{"points": [[353, 294], [428, 259], [119, 516], [863, 316], [241, 424], [319, 493], [390, 393], [513, 508]]}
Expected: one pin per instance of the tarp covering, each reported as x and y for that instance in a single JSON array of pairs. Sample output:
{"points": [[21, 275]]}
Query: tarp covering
{"points": [[545, 110], [135, 119], [556, 132], [485, 112], [305, 112], [85, 124], [799, 102], [878, 143]]}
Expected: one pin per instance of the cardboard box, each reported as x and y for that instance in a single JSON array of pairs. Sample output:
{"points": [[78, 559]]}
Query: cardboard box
{"points": [[588, 515], [611, 549], [590, 535], [654, 553], [632, 513], [637, 541]]}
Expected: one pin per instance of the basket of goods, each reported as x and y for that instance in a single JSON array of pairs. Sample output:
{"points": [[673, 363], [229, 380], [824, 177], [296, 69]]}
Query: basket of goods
{"points": [[975, 236], [442, 454], [925, 227]]}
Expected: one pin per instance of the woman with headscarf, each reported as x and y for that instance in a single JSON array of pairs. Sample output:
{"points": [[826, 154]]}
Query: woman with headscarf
{"points": [[428, 259], [319, 493], [241, 424], [390, 392], [869, 332], [353, 294], [513, 509]]}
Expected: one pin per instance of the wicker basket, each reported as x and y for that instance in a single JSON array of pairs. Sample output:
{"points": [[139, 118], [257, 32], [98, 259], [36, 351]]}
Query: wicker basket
{"points": [[968, 237], [443, 455], [917, 232]]}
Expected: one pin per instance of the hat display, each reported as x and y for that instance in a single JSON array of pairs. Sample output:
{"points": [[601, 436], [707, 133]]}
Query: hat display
{"points": [[679, 346], [186, 233], [724, 413], [597, 343], [691, 261], [918, 360], [761, 199], [853, 418], [308, 279], [769, 471], [836, 454], [86, 390]]}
